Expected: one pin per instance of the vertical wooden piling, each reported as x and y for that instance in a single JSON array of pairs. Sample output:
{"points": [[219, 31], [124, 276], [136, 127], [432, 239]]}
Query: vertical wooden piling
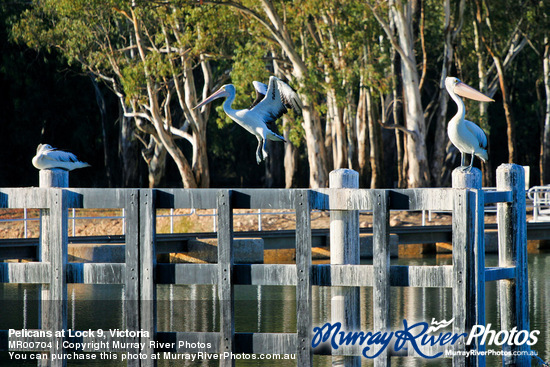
{"points": [[344, 250], [225, 276], [466, 257], [512, 252], [132, 292], [53, 248], [147, 264], [304, 326], [381, 264]]}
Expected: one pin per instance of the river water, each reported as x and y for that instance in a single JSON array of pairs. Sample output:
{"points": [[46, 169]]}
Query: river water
{"points": [[269, 309]]}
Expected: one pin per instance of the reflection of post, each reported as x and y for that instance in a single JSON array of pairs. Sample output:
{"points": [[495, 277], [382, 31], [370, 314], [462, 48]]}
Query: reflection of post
{"points": [[344, 249], [53, 250], [512, 252]]}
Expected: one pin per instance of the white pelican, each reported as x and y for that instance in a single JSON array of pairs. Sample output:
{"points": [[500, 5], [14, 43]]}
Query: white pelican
{"points": [[271, 103], [465, 135], [47, 157]]}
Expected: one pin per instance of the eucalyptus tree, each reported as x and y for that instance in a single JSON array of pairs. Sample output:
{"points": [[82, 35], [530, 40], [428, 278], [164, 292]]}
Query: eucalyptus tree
{"points": [[268, 19], [402, 39], [148, 54]]}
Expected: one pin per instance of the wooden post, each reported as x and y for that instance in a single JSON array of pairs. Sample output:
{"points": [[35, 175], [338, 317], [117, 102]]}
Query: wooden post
{"points": [[147, 263], [468, 257], [381, 264], [512, 252], [225, 276], [53, 249], [304, 326], [344, 250], [55, 177], [131, 281]]}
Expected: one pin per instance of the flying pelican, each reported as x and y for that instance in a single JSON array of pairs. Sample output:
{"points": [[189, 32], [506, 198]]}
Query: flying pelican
{"points": [[47, 158], [465, 135], [271, 102]]}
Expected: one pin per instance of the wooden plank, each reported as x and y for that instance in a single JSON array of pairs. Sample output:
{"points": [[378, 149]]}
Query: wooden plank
{"points": [[492, 274], [405, 199], [242, 198], [98, 198], [96, 273], [381, 266], [38, 272], [304, 355], [187, 274], [513, 293], [32, 198], [225, 275], [421, 199], [131, 280], [148, 262], [440, 276], [342, 275], [493, 197], [400, 275], [265, 274]]}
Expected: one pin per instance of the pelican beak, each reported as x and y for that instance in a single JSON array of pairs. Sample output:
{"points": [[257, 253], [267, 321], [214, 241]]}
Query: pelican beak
{"points": [[219, 94], [464, 90]]}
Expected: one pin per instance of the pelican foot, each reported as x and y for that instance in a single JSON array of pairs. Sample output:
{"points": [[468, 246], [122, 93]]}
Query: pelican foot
{"points": [[258, 159]]}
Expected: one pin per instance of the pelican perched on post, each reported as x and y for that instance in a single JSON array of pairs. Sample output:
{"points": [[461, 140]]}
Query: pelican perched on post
{"points": [[272, 101], [465, 135], [48, 157]]}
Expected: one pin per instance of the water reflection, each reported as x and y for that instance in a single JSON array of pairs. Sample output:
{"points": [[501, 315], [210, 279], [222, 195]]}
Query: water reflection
{"points": [[268, 309]]}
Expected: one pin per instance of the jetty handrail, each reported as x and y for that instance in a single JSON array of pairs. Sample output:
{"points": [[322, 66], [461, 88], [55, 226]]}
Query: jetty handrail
{"points": [[140, 273]]}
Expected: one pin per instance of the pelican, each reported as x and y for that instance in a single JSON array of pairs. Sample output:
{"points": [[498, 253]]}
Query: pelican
{"points": [[48, 157], [272, 101], [465, 135]]}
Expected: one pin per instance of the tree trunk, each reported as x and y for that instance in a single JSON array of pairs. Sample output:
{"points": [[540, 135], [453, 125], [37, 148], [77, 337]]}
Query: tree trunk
{"points": [[483, 107], [350, 121], [317, 156], [338, 131], [318, 174], [375, 137], [510, 124], [545, 146], [291, 157], [415, 160], [129, 152], [441, 138], [363, 136], [418, 172], [198, 121], [155, 156]]}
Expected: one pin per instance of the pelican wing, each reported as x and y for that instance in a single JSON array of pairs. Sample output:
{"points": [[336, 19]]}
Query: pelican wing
{"points": [[261, 91], [59, 156], [478, 133], [278, 99]]}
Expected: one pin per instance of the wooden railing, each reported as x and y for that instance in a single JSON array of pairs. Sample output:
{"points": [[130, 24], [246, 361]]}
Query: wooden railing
{"points": [[140, 273]]}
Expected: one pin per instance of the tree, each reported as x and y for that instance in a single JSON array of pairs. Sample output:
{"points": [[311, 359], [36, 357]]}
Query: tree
{"points": [[147, 54], [415, 124]]}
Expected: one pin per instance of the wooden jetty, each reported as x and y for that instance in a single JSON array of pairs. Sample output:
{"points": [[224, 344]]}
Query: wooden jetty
{"points": [[140, 273]]}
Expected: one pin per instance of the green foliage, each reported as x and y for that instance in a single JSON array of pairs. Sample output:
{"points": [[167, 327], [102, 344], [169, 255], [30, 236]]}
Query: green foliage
{"points": [[340, 42]]}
